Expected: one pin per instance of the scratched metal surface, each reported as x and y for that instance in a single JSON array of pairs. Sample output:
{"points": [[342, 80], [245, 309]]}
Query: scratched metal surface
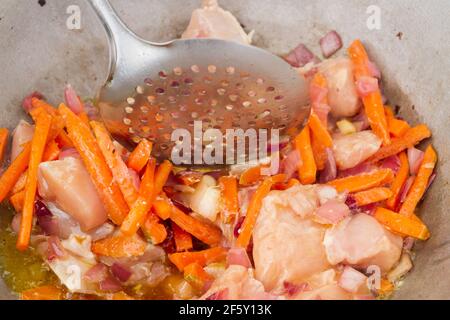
{"points": [[38, 52]]}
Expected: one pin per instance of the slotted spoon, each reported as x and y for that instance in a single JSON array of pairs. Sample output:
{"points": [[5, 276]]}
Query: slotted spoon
{"points": [[155, 88]]}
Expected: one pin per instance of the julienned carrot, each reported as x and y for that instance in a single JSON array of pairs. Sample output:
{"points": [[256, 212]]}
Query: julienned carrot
{"points": [[51, 151], [319, 131], [373, 102], [162, 208], [399, 181], [286, 185], [115, 163], [307, 169], [96, 165], [143, 203], [17, 200], [154, 229], [412, 137], [250, 176], [199, 229], [401, 224], [41, 131], [14, 171], [397, 128], [197, 276], [120, 246], [140, 155], [3, 142], [229, 198], [253, 211], [20, 184], [183, 240], [363, 181], [372, 196], [42, 293], [420, 183], [38, 103], [203, 258], [83, 117], [161, 176], [318, 93], [319, 151]]}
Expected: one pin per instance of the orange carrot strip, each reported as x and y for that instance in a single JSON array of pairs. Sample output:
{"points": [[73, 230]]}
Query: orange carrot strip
{"points": [[412, 137], [363, 181], [161, 176], [420, 183], [199, 229], [96, 165], [386, 287], [154, 229], [142, 205], [196, 276], [399, 181], [83, 117], [162, 208], [115, 163], [14, 171], [121, 296], [38, 103], [17, 200], [252, 212], [397, 127], [51, 151], [3, 142], [372, 195], [319, 81], [63, 140], [182, 259], [20, 184], [401, 224], [319, 151], [140, 155], [43, 124], [42, 293], [286, 185], [373, 102], [320, 131], [120, 246], [229, 196], [183, 240], [307, 169], [250, 176]]}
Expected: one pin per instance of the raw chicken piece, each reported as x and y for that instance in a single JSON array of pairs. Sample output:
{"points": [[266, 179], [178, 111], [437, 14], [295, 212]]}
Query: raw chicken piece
{"points": [[239, 284], [22, 134], [353, 149], [68, 184], [342, 96], [287, 244], [211, 21], [362, 241]]}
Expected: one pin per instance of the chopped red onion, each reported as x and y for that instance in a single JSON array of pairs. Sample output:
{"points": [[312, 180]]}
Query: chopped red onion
{"points": [[120, 272], [366, 85], [392, 162], [415, 158], [110, 284], [360, 121], [91, 111], [237, 227], [72, 100], [26, 103], [238, 256], [135, 178], [374, 70], [219, 295], [55, 250], [330, 43], [45, 219], [330, 171], [361, 168], [97, 273], [289, 165], [408, 243], [333, 211], [291, 289], [405, 189], [300, 56]]}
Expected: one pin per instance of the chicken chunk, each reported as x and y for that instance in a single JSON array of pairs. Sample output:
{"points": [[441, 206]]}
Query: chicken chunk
{"points": [[22, 134], [353, 149], [362, 241], [287, 244], [68, 184], [342, 96], [211, 21]]}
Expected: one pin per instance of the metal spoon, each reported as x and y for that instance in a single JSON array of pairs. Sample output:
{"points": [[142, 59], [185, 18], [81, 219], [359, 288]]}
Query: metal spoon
{"points": [[154, 88]]}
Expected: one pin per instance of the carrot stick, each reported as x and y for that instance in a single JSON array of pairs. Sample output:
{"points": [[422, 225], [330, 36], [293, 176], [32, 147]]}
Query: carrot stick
{"points": [[286, 185], [96, 165], [182, 259], [373, 102], [120, 246], [307, 169], [17, 200], [43, 124], [397, 128], [318, 84], [115, 163], [183, 240], [154, 229], [412, 137], [162, 208], [401, 224], [51, 151], [319, 131], [363, 181], [196, 276], [140, 155], [42, 293], [399, 181], [319, 151], [20, 184], [142, 205], [229, 196], [14, 171], [38, 103], [420, 183], [3, 142], [372, 195], [161, 176], [83, 117], [252, 212], [250, 176], [199, 229]]}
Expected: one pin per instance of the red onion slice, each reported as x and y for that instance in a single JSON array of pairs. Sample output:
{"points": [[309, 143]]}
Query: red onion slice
{"points": [[97, 273], [330, 43], [330, 171], [219, 295], [289, 165], [291, 289], [120, 272], [300, 56], [26, 103], [72, 100], [110, 284], [392, 162], [238, 256], [415, 158], [55, 250], [366, 86]]}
